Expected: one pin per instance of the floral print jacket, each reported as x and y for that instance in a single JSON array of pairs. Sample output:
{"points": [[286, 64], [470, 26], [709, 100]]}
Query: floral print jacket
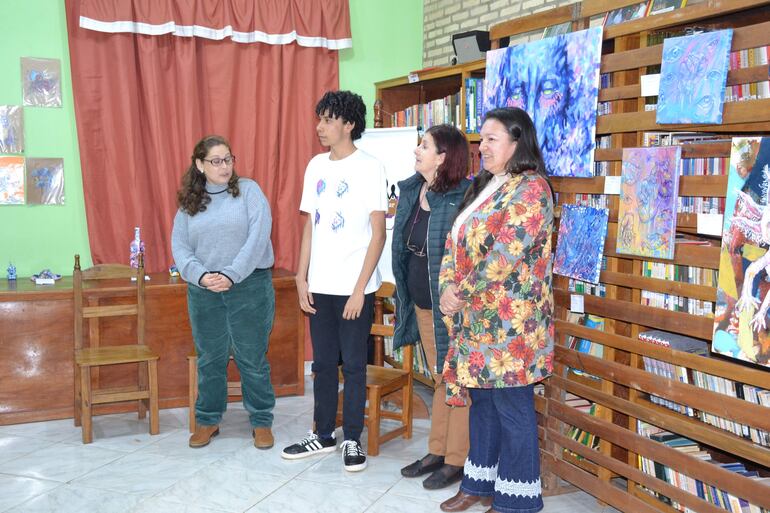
{"points": [[501, 265]]}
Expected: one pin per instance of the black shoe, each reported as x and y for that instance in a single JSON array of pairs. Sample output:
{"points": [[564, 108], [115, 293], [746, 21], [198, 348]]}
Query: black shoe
{"points": [[353, 456], [443, 477], [311, 444], [423, 466]]}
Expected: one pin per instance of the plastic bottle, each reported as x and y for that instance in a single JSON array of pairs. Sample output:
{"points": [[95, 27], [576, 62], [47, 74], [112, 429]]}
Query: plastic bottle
{"points": [[136, 247]]}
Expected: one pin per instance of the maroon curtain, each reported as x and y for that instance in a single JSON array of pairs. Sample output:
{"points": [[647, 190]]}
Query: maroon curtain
{"points": [[143, 101]]}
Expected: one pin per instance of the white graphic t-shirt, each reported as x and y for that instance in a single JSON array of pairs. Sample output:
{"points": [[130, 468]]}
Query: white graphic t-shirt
{"points": [[339, 196]]}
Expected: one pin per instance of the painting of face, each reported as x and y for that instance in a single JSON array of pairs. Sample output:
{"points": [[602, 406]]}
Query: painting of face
{"points": [[741, 328], [648, 192], [693, 76], [582, 231], [556, 80]]}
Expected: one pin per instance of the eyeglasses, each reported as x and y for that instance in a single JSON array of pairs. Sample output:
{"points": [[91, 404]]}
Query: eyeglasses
{"points": [[420, 252], [216, 161]]}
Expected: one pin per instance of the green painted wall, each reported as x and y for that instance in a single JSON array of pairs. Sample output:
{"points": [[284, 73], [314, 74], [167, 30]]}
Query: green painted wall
{"points": [[34, 237], [43, 236], [387, 43]]}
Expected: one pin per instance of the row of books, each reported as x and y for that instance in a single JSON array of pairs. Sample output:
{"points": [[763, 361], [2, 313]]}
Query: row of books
{"points": [[705, 381], [706, 491], [584, 287], [592, 200], [731, 388], [575, 433], [425, 115], [474, 101], [700, 205], [583, 345], [681, 273], [748, 59], [669, 370]]}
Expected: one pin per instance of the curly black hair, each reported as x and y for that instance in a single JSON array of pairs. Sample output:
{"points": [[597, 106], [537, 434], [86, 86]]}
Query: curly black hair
{"points": [[346, 105], [192, 197]]}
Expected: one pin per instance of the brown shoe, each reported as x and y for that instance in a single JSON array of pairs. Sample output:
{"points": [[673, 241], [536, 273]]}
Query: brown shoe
{"points": [[263, 438], [202, 435], [463, 501]]}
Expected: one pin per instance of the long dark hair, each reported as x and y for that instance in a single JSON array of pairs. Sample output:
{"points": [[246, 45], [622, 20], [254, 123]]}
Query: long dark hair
{"points": [[192, 197], [452, 143], [526, 157]]}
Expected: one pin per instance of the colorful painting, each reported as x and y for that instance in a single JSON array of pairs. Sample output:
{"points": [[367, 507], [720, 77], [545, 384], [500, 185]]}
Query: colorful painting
{"points": [[743, 297], [693, 76], [648, 191], [11, 129], [580, 245], [11, 180], [627, 13], [556, 80], [45, 181], [41, 82]]}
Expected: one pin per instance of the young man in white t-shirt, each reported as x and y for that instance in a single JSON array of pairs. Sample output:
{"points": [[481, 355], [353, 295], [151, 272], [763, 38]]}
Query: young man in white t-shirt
{"points": [[344, 197]]}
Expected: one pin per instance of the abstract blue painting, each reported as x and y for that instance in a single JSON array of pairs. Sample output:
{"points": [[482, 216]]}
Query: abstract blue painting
{"points": [[582, 231], [693, 76], [556, 80]]}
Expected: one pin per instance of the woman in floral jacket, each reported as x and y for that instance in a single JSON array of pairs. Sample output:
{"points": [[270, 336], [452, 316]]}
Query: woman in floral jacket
{"points": [[495, 285]]}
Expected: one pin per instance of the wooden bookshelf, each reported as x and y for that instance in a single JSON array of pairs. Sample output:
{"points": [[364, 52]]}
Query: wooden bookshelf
{"points": [[622, 391]]}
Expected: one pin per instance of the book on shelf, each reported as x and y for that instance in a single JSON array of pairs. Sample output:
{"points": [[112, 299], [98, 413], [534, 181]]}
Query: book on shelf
{"points": [[582, 345], [425, 115], [575, 433], [684, 274], [707, 491], [474, 99], [669, 370]]}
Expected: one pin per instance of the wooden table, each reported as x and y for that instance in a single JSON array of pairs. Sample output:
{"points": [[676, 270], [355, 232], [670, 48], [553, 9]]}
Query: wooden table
{"points": [[36, 345]]}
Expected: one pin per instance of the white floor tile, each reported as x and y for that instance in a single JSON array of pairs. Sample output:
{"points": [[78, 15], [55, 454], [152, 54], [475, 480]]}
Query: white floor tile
{"points": [[120, 434], [12, 447], [303, 497], [379, 475], [54, 430], [74, 499], [60, 462], [160, 505], [176, 446], [223, 488], [15, 490]]}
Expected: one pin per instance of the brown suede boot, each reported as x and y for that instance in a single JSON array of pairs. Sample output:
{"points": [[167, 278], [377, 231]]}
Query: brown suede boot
{"points": [[463, 501], [263, 438], [202, 435]]}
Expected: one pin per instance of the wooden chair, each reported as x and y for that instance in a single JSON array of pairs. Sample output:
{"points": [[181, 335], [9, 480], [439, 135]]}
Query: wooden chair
{"points": [[91, 353], [382, 381], [233, 387]]}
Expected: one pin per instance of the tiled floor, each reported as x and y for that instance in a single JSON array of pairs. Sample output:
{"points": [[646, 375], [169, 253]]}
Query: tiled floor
{"points": [[45, 468]]}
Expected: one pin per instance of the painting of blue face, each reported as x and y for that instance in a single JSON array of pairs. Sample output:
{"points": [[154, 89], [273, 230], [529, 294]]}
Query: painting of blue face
{"points": [[556, 80], [693, 76]]}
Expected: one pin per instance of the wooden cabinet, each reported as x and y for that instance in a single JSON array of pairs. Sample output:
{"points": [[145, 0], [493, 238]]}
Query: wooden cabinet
{"points": [[36, 338]]}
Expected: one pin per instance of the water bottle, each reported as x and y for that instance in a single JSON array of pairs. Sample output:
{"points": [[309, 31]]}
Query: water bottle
{"points": [[136, 247]]}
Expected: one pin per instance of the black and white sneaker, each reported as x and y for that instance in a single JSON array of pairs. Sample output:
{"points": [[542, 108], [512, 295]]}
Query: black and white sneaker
{"points": [[353, 456], [308, 446]]}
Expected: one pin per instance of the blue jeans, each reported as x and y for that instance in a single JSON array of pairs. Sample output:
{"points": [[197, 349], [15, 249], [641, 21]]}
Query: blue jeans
{"points": [[504, 458], [237, 321]]}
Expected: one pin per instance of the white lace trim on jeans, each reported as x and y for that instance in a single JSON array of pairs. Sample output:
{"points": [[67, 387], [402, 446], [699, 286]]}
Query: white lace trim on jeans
{"points": [[523, 488], [479, 473]]}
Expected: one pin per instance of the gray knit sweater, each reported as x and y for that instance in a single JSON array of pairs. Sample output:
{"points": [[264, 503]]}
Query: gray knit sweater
{"points": [[231, 236]]}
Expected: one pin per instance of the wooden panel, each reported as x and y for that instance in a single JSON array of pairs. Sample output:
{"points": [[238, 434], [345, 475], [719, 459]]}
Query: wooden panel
{"points": [[706, 257], [643, 315], [677, 288], [535, 21], [734, 115], [36, 335], [593, 7]]}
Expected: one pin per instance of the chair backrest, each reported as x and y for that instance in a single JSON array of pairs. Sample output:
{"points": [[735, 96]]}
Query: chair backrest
{"points": [[380, 330], [134, 281]]}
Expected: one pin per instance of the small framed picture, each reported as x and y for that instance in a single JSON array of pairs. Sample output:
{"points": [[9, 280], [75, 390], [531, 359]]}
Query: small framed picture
{"points": [[661, 6], [557, 30], [627, 13]]}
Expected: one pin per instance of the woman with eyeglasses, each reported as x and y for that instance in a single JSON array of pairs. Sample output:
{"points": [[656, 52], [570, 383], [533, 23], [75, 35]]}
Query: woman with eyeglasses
{"points": [[426, 207], [221, 246]]}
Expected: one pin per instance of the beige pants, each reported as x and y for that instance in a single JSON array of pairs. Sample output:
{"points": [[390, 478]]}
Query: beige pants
{"points": [[448, 426]]}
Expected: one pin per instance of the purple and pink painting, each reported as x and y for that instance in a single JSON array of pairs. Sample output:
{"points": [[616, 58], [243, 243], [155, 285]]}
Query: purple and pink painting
{"points": [[648, 192], [556, 80]]}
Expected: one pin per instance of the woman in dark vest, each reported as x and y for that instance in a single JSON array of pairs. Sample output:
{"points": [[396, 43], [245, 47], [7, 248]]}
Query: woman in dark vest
{"points": [[426, 208]]}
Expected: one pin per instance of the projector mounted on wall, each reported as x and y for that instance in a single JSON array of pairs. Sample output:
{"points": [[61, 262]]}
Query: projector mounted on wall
{"points": [[472, 45]]}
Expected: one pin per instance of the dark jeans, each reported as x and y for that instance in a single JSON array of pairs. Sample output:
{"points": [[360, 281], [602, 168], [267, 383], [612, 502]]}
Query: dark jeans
{"points": [[333, 337], [237, 321], [504, 458]]}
